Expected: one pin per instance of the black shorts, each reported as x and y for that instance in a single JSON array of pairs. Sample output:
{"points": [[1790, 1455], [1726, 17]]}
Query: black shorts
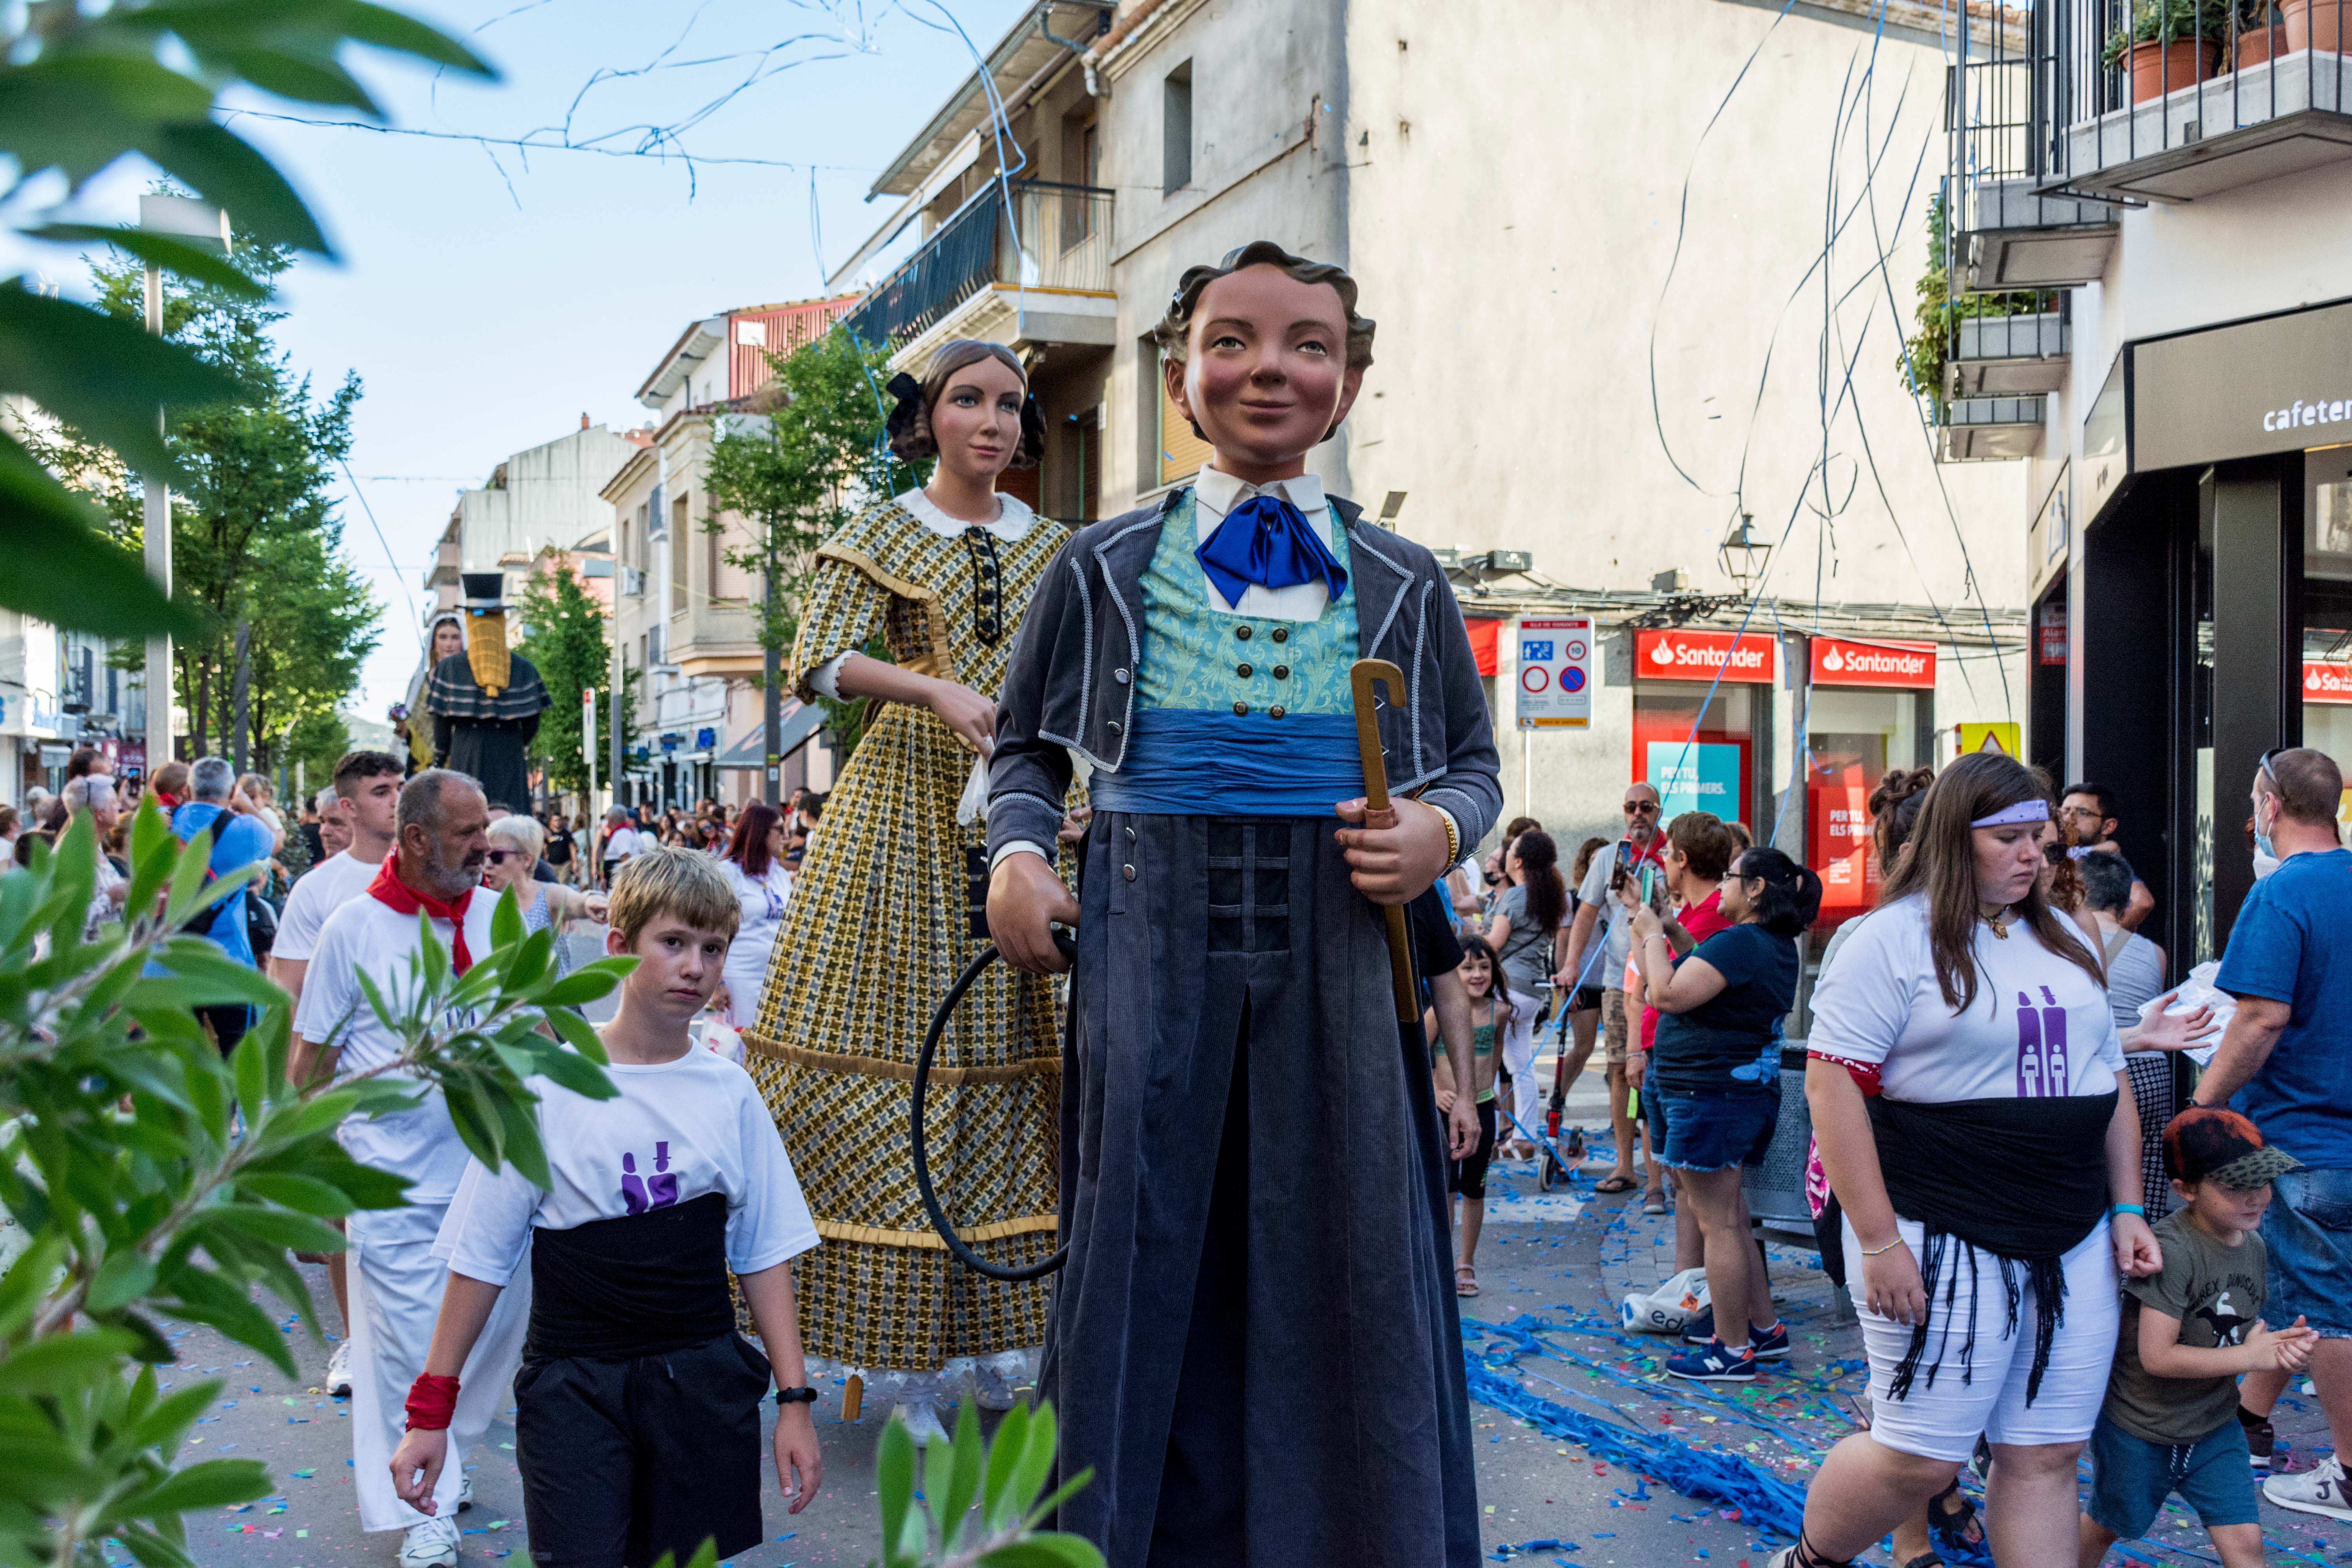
{"points": [[1588, 1000], [1468, 1177], [623, 1460]]}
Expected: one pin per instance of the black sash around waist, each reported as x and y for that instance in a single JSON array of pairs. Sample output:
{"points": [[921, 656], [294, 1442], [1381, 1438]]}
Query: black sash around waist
{"points": [[2022, 1178], [613, 1289]]}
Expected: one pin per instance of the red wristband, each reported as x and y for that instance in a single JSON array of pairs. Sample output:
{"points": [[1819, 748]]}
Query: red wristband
{"points": [[431, 1402]]}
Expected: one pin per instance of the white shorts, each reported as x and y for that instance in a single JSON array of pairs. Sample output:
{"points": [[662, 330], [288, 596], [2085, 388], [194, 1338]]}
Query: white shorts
{"points": [[1985, 1394]]}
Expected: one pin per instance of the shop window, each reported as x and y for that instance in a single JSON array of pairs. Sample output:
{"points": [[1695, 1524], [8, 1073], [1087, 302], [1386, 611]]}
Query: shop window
{"points": [[1695, 762], [2327, 607], [1853, 738]]}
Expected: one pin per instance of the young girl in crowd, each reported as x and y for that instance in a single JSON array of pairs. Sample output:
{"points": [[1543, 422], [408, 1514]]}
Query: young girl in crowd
{"points": [[1716, 1077], [1496, 1016], [1963, 1088]]}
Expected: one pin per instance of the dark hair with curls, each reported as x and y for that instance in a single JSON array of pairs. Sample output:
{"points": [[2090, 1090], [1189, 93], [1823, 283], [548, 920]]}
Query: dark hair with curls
{"points": [[1895, 811], [1175, 331], [1791, 896], [1942, 869], [1585, 854], [909, 425], [1547, 894]]}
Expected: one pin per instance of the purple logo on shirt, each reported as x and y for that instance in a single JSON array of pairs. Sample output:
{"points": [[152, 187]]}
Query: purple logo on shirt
{"points": [[2042, 1070], [657, 1191]]}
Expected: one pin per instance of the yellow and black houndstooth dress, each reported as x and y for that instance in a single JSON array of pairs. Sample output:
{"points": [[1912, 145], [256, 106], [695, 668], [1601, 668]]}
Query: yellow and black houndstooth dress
{"points": [[877, 928]]}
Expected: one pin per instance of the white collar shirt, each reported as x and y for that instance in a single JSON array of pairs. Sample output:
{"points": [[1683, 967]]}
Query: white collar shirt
{"points": [[1215, 493]]}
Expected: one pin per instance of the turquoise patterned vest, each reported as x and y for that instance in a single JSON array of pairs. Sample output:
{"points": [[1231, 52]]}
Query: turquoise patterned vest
{"points": [[1237, 715]]}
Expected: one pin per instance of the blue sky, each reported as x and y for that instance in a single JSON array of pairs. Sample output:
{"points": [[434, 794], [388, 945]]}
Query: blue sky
{"points": [[489, 297]]}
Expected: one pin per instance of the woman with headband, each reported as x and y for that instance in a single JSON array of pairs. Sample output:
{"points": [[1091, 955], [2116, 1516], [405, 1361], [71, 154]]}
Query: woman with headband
{"points": [[879, 922], [1964, 1091]]}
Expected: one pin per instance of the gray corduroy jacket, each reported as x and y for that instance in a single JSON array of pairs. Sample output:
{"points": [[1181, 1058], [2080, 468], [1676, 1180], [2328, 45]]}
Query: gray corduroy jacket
{"points": [[1070, 683]]}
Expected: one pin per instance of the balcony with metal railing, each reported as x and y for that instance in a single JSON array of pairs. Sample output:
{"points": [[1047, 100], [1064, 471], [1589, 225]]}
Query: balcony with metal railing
{"points": [[1025, 263]]}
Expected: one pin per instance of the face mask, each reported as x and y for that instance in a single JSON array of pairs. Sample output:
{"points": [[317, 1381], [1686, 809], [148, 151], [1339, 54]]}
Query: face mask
{"points": [[2262, 849]]}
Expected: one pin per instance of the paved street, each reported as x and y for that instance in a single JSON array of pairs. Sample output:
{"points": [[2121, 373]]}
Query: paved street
{"points": [[1553, 1265]]}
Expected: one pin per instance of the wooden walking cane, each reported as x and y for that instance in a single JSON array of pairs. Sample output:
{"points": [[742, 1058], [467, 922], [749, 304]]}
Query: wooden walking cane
{"points": [[1363, 676]]}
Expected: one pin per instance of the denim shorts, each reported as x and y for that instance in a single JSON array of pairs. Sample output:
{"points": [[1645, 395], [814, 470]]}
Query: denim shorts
{"points": [[2308, 1230], [2131, 1477], [1716, 1129]]}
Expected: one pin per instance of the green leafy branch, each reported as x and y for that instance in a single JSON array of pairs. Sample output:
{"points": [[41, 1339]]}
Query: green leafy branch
{"points": [[1003, 1476]]}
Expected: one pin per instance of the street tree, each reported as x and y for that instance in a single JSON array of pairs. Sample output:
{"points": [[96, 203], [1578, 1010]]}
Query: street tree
{"points": [[800, 474], [564, 638]]}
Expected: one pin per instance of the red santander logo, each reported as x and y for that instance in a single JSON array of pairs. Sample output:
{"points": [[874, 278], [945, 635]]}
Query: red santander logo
{"points": [[1680, 655], [1838, 661], [2324, 682]]}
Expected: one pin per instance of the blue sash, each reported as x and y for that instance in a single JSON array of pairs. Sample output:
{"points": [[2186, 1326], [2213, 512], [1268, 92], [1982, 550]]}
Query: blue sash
{"points": [[1183, 763]]}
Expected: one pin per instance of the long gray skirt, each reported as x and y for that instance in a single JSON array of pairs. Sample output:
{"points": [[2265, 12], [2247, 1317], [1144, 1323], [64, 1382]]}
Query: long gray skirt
{"points": [[1254, 1344]]}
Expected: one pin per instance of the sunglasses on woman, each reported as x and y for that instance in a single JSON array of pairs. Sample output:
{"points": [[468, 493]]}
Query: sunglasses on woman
{"points": [[500, 856]]}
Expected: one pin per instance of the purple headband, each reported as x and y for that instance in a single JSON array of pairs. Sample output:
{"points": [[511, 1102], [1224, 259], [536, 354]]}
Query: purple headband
{"points": [[2035, 809]]}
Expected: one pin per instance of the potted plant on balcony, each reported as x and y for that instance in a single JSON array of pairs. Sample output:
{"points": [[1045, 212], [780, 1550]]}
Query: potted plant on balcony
{"points": [[2169, 44], [2261, 26], [2313, 24]]}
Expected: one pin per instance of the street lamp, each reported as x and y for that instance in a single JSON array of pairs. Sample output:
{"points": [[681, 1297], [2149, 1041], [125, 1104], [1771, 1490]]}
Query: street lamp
{"points": [[1741, 554], [199, 223]]}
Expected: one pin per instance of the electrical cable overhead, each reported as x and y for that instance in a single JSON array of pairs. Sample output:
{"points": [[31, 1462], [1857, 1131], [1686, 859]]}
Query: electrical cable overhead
{"points": [[415, 621]]}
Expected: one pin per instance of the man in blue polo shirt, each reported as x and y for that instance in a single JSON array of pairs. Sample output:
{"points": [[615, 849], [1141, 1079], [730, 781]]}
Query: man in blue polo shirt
{"points": [[240, 839], [2287, 1059]]}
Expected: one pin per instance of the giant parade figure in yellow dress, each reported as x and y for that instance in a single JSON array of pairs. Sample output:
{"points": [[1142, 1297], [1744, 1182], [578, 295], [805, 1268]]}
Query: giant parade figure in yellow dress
{"points": [[879, 922]]}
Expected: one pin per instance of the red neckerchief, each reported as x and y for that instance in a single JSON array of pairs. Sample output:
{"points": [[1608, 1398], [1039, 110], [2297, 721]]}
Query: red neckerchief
{"points": [[170, 802], [389, 889]]}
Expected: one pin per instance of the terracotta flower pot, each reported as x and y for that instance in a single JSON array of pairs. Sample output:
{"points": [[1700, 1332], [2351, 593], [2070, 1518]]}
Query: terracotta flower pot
{"points": [[2158, 69], [2313, 24], [2254, 46]]}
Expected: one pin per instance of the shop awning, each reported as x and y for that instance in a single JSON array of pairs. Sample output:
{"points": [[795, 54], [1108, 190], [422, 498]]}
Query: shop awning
{"points": [[1484, 635], [801, 720]]}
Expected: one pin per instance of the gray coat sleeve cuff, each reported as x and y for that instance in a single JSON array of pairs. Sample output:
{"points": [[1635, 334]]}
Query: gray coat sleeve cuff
{"points": [[1017, 816]]}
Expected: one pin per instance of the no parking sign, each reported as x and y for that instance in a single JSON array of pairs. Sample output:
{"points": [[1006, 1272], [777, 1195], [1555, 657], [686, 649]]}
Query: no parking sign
{"points": [[1555, 678]]}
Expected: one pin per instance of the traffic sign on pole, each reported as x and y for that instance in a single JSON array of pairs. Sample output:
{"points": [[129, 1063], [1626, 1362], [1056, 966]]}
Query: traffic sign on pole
{"points": [[1555, 672]]}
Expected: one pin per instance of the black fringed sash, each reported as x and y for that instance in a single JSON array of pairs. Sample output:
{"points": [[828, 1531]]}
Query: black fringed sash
{"points": [[2022, 1178], [613, 1289]]}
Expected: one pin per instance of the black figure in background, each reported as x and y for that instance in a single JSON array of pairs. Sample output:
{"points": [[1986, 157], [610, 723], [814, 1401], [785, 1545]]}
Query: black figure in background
{"points": [[485, 701]]}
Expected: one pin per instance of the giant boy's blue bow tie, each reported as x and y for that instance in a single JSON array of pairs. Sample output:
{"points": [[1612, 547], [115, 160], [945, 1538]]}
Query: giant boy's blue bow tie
{"points": [[1268, 541]]}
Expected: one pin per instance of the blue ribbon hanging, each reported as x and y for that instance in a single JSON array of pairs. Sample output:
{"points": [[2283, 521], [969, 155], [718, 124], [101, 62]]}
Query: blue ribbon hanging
{"points": [[1268, 541]]}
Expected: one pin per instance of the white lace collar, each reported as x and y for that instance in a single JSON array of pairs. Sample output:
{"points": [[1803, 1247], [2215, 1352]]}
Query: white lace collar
{"points": [[1013, 517]]}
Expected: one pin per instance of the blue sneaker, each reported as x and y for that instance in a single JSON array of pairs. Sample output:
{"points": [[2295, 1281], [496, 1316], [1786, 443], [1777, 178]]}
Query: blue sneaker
{"points": [[1700, 1329], [1711, 1362], [1770, 1344]]}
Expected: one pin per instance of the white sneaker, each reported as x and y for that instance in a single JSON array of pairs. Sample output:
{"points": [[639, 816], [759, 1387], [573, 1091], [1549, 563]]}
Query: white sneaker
{"points": [[922, 1419], [2316, 1490], [338, 1370], [464, 1493], [433, 1544]]}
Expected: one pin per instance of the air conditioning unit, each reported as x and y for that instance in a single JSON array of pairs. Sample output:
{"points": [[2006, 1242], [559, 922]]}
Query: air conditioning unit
{"points": [[1509, 560], [632, 582]]}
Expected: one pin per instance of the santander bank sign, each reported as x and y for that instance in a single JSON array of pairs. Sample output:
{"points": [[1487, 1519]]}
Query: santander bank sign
{"points": [[1839, 662], [2326, 682], [1681, 654]]}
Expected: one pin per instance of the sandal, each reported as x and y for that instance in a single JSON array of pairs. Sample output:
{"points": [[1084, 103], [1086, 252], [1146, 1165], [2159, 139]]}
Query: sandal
{"points": [[1952, 1520], [1614, 1184], [1465, 1279]]}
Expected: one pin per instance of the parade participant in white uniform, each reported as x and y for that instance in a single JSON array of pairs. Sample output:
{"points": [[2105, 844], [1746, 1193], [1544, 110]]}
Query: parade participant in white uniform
{"points": [[442, 842], [364, 796]]}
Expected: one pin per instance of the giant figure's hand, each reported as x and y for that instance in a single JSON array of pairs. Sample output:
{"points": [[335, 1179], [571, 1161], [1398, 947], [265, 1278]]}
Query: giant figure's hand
{"points": [[1024, 898], [1393, 856]]}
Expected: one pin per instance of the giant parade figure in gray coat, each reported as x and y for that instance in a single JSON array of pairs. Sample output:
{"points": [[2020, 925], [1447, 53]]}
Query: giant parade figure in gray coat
{"points": [[485, 701], [1255, 1342]]}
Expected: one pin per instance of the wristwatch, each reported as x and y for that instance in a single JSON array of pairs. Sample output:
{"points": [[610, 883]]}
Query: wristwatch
{"points": [[795, 1396]]}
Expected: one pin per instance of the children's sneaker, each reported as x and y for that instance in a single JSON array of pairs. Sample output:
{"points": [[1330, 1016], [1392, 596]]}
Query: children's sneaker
{"points": [[2262, 1440], [2316, 1490], [431, 1544], [1711, 1362], [1770, 1344], [338, 1371]]}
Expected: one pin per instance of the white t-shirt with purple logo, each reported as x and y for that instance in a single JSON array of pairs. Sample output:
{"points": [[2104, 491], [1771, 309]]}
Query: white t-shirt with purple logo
{"points": [[2040, 1027], [677, 1131]]}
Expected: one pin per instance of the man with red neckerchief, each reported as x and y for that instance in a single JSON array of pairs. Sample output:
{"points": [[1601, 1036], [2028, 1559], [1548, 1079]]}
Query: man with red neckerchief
{"points": [[441, 842]]}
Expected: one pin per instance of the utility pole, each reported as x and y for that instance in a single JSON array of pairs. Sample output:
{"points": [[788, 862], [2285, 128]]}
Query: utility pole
{"points": [[588, 740], [242, 693], [184, 218], [772, 676]]}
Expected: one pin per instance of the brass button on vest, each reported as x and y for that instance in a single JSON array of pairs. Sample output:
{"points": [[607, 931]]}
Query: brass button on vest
{"points": [[1244, 633], [1244, 671], [1275, 711], [1241, 708]]}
